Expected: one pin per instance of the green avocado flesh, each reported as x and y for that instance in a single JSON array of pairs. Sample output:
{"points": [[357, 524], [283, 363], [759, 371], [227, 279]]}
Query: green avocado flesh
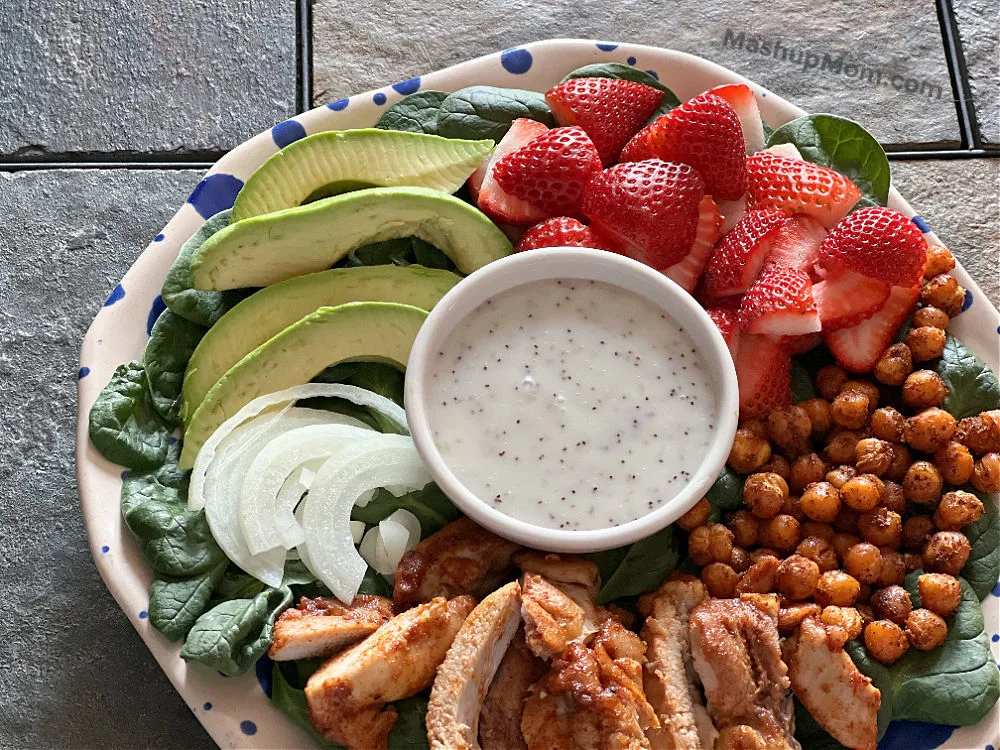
{"points": [[269, 311], [356, 331], [303, 169], [267, 249]]}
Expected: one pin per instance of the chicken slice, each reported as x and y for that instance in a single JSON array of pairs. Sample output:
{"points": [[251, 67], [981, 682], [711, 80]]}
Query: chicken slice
{"points": [[461, 558], [464, 677], [500, 717], [324, 625], [736, 653], [347, 695], [560, 569], [551, 619], [841, 699]]}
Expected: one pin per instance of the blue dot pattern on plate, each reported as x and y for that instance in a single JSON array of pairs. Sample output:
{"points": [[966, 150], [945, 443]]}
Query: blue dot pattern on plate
{"points": [[82, 373], [409, 86], [263, 669], [144, 615], [339, 106], [995, 590], [654, 74], [159, 237], [215, 193], [125, 475], [105, 549], [118, 293], [207, 706], [379, 98], [606, 46], [516, 60], [287, 132], [155, 311], [967, 302], [921, 224], [631, 61], [248, 728], [996, 638], [914, 735]]}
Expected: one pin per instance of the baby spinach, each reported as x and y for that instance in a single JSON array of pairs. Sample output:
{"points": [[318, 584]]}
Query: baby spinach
{"points": [[416, 113], [624, 73], [727, 491], [479, 112], [972, 386], [291, 701], [402, 251], [176, 603], [802, 385], [982, 570], [124, 425], [430, 505], [842, 145], [383, 379], [170, 346], [410, 730], [637, 568], [810, 734]]}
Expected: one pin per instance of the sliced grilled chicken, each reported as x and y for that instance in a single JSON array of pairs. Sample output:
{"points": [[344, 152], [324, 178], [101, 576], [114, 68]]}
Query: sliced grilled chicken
{"points": [[500, 716], [560, 569], [552, 620], [325, 625]]}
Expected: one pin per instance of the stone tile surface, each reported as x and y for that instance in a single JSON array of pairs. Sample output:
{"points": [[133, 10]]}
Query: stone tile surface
{"points": [[75, 674], [118, 76], [979, 31], [892, 76]]}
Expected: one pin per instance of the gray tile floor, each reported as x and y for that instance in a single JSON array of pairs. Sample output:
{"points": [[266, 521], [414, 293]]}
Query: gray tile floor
{"points": [[172, 85]]}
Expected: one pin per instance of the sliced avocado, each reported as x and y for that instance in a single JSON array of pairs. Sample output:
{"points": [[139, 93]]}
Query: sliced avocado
{"points": [[306, 239], [369, 156], [274, 308], [356, 331]]}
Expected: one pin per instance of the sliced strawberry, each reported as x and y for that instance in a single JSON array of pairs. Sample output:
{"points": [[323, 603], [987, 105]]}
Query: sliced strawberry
{"points": [[650, 207], [779, 303], [764, 373], [705, 133], [859, 347], [732, 212], [796, 345], [877, 242], [725, 319], [740, 97], [796, 243], [563, 231], [799, 187], [490, 197], [610, 110], [847, 298], [637, 149], [688, 271], [741, 253]]}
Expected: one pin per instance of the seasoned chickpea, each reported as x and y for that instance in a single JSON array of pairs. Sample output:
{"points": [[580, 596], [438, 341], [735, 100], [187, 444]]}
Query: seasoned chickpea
{"points": [[777, 465], [837, 588], [841, 475], [873, 456], [925, 629], [893, 568], [901, 460], [820, 417], [821, 530], [892, 497], [865, 595], [720, 542], [744, 526], [866, 613], [789, 425], [955, 463], [846, 521], [699, 546], [894, 365], [887, 424], [792, 615], [863, 492], [720, 580], [783, 533], [926, 342], [843, 542], [881, 527], [947, 552], [797, 577], [866, 387], [755, 427], [957, 509], [913, 561], [939, 260], [847, 619], [760, 553], [916, 531], [807, 469], [924, 388], [749, 452], [864, 562], [931, 316], [759, 578], [739, 560], [892, 603], [829, 380], [929, 430], [820, 551], [945, 292], [793, 507], [850, 409], [939, 592], [922, 483], [885, 641], [697, 516], [986, 473], [980, 434], [840, 447], [764, 494]]}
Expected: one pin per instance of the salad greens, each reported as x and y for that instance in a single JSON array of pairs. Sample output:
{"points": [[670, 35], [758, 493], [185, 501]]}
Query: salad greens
{"points": [[416, 113], [972, 386], [124, 424], [982, 570], [802, 385], [171, 344], [636, 568], [479, 112], [430, 505]]}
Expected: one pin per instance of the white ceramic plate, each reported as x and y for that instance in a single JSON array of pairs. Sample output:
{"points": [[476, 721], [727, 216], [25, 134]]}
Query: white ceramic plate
{"points": [[236, 711]]}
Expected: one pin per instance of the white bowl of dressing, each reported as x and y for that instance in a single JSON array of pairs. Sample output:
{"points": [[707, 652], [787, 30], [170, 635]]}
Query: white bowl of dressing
{"points": [[572, 400]]}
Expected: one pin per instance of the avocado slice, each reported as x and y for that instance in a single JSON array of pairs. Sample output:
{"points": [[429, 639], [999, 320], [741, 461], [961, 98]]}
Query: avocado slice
{"points": [[324, 163], [269, 311], [356, 331], [267, 249]]}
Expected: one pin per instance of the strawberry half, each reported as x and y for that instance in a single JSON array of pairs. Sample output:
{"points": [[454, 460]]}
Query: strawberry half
{"points": [[725, 320], [763, 370], [732, 212], [741, 253], [859, 347], [796, 345], [609, 109], [490, 197], [799, 187], [879, 243], [638, 148], [651, 207], [688, 271], [551, 171], [847, 298], [705, 133], [740, 97], [796, 243], [779, 303], [563, 231]]}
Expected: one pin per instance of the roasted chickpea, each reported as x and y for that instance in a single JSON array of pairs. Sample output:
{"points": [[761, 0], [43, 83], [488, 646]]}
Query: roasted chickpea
{"points": [[947, 552], [846, 619], [841, 475], [820, 551], [744, 526], [923, 389], [807, 469], [818, 411], [789, 425], [916, 531], [755, 427], [837, 588], [931, 316], [901, 460], [922, 483], [885, 641], [760, 553], [929, 430], [881, 527], [866, 387], [863, 492], [739, 560], [793, 507], [957, 509], [926, 342], [850, 409], [873, 456], [893, 497], [894, 365], [939, 592], [840, 447], [791, 616], [925, 629], [777, 465], [986, 473], [865, 595], [821, 530], [749, 452], [720, 580], [697, 516], [913, 561], [887, 424], [945, 292], [797, 577], [764, 494], [829, 380], [720, 542], [892, 603], [864, 562], [866, 613], [783, 533], [699, 546], [759, 578], [843, 542], [939, 260], [955, 463], [893, 568], [980, 434]]}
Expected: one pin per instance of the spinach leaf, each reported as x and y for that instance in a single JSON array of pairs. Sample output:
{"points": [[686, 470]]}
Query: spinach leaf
{"points": [[427, 255], [972, 386], [880, 677], [176, 603], [342, 406], [375, 584], [430, 505], [291, 701], [727, 492], [236, 584], [383, 379], [982, 570], [479, 112], [124, 425], [640, 567], [410, 731], [179, 294], [401, 251], [625, 73], [842, 145], [416, 113], [170, 346], [809, 733], [802, 386]]}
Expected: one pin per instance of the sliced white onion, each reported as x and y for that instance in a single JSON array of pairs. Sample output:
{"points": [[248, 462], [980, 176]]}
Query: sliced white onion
{"points": [[357, 530], [290, 495], [400, 532], [368, 549]]}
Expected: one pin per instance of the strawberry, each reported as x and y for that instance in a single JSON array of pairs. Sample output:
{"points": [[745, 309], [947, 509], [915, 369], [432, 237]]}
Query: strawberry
{"points": [[796, 243], [859, 347], [637, 149], [779, 303], [490, 197], [688, 271], [740, 97], [651, 207], [799, 187], [705, 133], [848, 298], [879, 243], [610, 110], [741, 253], [763, 370], [732, 212], [725, 319], [563, 231], [796, 345]]}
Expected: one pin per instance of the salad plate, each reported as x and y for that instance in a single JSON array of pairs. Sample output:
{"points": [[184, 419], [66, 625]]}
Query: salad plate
{"points": [[236, 711]]}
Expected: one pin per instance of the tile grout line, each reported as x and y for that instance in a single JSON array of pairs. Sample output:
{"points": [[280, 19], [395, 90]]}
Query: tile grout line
{"points": [[303, 56], [958, 74]]}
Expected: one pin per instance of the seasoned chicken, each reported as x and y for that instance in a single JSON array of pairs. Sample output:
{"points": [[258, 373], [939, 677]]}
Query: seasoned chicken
{"points": [[560, 569], [464, 676], [347, 695], [500, 717], [669, 679], [735, 651], [839, 697], [462, 558], [324, 625], [592, 697], [551, 619]]}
